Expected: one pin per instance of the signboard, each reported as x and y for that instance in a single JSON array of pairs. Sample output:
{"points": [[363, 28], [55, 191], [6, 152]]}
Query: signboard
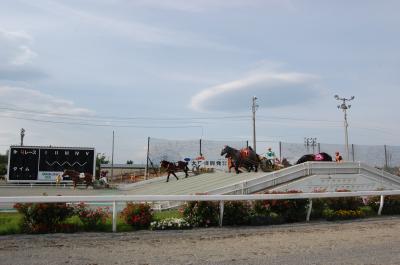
{"points": [[29, 164]]}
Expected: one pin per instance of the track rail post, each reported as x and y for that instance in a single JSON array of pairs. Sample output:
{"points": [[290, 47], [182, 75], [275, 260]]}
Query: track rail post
{"points": [[114, 216], [221, 212], [309, 210], [381, 204]]}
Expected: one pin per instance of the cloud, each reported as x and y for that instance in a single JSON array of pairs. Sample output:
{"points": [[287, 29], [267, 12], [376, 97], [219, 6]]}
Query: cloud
{"points": [[25, 98], [135, 31], [14, 48], [274, 89], [16, 57], [205, 5]]}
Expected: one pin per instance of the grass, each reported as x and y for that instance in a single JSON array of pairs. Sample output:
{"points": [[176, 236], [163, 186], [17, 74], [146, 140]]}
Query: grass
{"points": [[157, 216], [10, 223]]}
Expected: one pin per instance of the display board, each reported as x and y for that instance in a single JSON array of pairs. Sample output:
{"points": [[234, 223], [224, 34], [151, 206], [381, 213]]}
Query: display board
{"points": [[40, 164]]}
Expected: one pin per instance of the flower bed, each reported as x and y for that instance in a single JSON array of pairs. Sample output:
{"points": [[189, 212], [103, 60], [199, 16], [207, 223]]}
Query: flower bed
{"points": [[170, 224], [332, 215]]}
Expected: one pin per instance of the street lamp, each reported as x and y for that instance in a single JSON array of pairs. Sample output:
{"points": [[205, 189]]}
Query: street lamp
{"points": [[310, 142], [254, 109], [345, 107], [22, 136]]}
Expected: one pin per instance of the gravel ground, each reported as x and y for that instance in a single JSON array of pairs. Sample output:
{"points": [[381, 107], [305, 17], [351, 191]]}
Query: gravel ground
{"points": [[371, 241]]}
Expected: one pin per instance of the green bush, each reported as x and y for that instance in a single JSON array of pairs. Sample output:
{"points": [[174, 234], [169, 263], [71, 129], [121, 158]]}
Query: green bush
{"points": [[344, 203], [91, 218], [318, 207], [391, 205], [266, 219], [293, 210], [201, 213], [138, 215], [236, 213], [45, 217], [367, 211]]}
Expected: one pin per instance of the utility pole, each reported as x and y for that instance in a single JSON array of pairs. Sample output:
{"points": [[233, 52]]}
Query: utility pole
{"points": [[22, 136], [345, 107], [112, 158], [310, 142], [254, 109]]}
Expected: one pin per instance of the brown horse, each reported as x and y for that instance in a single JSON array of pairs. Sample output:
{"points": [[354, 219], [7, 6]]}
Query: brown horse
{"points": [[245, 157], [76, 177], [173, 167]]}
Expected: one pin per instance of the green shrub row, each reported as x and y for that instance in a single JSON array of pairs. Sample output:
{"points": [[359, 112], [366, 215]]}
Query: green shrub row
{"points": [[53, 217]]}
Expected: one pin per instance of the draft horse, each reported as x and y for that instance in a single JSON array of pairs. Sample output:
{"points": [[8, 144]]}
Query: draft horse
{"points": [[317, 157], [174, 167], [246, 157], [77, 177]]}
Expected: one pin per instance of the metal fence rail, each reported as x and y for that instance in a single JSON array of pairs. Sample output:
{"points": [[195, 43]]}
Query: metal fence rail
{"points": [[115, 199]]}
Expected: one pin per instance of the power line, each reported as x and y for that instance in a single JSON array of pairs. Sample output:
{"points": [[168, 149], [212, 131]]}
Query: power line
{"points": [[122, 117], [101, 125]]}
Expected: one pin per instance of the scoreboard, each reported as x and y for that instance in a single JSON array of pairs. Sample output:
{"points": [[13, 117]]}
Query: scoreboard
{"points": [[42, 164]]}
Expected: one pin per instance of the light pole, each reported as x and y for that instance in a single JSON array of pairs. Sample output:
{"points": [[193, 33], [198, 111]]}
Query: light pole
{"points": [[22, 136], [310, 142], [254, 109], [345, 107]]}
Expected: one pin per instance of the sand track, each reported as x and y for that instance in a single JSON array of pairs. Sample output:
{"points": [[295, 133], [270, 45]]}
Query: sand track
{"points": [[372, 241]]}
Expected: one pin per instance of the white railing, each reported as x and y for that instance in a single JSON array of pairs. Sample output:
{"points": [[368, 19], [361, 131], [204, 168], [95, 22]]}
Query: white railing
{"points": [[115, 199], [285, 175]]}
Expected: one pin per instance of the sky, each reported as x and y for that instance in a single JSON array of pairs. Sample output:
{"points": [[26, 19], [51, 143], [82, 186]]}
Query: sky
{"points": [[73, 71]]}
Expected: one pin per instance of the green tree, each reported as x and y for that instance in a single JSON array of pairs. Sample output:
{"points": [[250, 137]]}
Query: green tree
{"points": [[3, 164], [100, 159], [129, 162]]}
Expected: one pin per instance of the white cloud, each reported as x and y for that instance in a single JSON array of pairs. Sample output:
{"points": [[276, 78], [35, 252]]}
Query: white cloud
{"points": [[277, 89], [204, 5], [16, 57], [24, 98], [134, 30], [15, 48]]}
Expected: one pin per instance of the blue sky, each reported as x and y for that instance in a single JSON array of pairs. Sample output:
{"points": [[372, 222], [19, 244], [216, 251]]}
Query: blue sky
{"points": [[193, 66]]}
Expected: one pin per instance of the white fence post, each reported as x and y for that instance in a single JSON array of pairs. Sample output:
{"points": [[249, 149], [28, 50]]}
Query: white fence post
{"points": [[114, 217], [309, 210], [381, 204], [221, 212]]}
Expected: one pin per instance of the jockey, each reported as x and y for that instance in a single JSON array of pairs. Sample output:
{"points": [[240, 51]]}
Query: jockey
{"points": [[270, 155], [338, 157]]}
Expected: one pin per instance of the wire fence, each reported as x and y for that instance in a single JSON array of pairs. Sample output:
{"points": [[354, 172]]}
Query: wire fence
{"points": [[382, 156]]}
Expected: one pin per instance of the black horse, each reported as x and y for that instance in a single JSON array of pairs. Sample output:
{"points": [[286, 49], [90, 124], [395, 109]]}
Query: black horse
{"points": [[317, 157], [245, 157], [173, 167]]}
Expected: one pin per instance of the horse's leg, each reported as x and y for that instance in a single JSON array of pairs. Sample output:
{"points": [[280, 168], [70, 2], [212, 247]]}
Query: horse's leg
{"points": [[173, 173], [237, 167], [186, 172], [168, 176]]}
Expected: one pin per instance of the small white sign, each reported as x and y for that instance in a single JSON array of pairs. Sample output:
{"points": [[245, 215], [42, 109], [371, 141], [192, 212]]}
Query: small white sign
{"points": [[48, 175]]}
